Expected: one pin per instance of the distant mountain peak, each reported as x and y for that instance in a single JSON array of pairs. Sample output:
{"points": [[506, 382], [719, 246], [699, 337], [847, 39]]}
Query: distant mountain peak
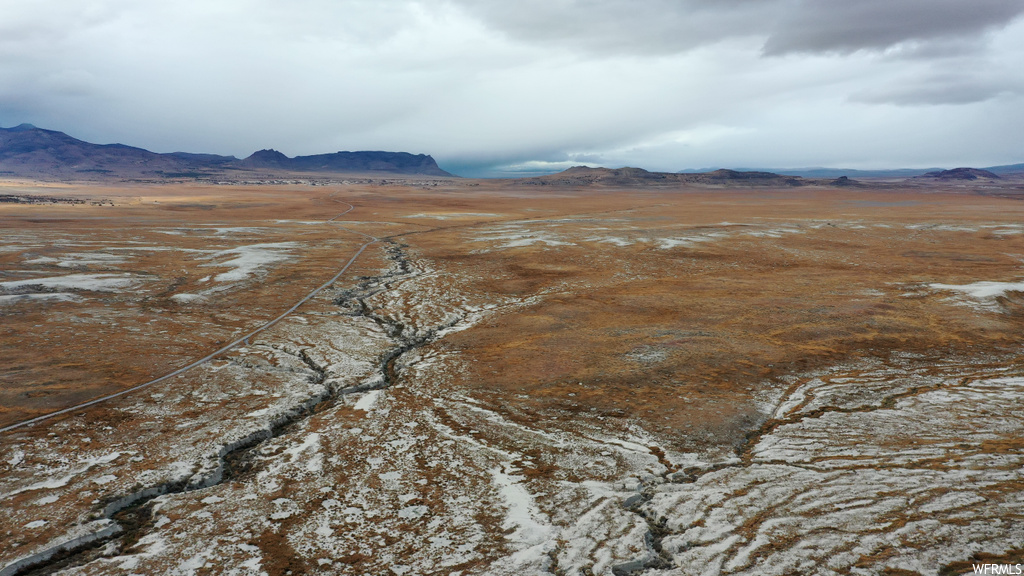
{"points": [[268, 157], [268, 153], [24, 127]]}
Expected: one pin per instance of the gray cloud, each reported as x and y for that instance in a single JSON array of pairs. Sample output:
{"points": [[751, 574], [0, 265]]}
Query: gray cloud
{"points": [[941, 89], [624, 26], [844, 27], [786, 26]]}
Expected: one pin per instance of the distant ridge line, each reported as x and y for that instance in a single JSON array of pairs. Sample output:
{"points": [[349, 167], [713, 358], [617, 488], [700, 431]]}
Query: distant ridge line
{"points": [[855, 173], [29, 151]]}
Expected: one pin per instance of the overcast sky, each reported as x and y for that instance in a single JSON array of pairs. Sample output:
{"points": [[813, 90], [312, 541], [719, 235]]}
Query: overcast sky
{"points": [[491, 87]]}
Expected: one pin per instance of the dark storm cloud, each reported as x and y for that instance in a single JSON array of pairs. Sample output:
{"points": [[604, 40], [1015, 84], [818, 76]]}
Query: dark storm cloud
{"points": [[623, 26], [788, 26], [846, 26]]}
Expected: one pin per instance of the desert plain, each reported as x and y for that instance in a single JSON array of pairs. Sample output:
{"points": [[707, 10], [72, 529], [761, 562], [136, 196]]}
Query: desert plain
{"points": [[511, 377]]}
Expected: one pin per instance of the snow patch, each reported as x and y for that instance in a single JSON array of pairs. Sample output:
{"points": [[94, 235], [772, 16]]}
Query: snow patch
{"points": [[531, 531], [413, 512], [368, 401], [80, 260], [248, 260], [238, 230], [62, 481], [185, 297], [982, 290], [616, 240], [46, 296], [92, 282], [450, 215], [685, 241]]}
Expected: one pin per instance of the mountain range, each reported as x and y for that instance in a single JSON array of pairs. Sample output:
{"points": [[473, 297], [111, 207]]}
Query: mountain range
{"points": [[837, 172], [28, 151], [640, 178]]}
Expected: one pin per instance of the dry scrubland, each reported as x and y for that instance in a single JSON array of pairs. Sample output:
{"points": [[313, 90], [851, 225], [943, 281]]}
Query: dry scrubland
{"points": [[513, 379]]}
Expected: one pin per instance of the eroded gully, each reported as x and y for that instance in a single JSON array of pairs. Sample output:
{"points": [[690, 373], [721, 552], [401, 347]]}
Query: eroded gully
{"points": [[132, 514]]}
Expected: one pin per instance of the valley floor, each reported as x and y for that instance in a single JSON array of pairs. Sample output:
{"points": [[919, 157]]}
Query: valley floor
{"points": [[509, 381]]}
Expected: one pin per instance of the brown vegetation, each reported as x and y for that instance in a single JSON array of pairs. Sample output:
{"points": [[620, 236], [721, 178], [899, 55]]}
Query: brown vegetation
{"points": [[625, 337]]}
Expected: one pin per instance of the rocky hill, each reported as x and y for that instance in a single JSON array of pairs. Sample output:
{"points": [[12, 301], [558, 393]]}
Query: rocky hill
{"points": [[960, 174], [28, 151], [638, 177], [361, 162]]}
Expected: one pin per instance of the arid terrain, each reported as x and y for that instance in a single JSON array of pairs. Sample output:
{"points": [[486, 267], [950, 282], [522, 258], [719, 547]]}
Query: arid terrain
{"points": [[554, 376]]}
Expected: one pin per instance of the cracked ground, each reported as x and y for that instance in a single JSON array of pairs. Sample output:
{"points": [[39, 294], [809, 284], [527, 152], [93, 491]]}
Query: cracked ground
{"points": [[512, 380]]}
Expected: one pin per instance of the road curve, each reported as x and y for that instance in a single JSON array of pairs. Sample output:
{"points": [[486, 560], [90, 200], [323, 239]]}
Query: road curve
{"points": [[370, 240]]}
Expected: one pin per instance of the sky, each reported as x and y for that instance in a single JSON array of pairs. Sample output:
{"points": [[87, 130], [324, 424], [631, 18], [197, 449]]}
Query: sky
{"points": [[503, 88]]}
